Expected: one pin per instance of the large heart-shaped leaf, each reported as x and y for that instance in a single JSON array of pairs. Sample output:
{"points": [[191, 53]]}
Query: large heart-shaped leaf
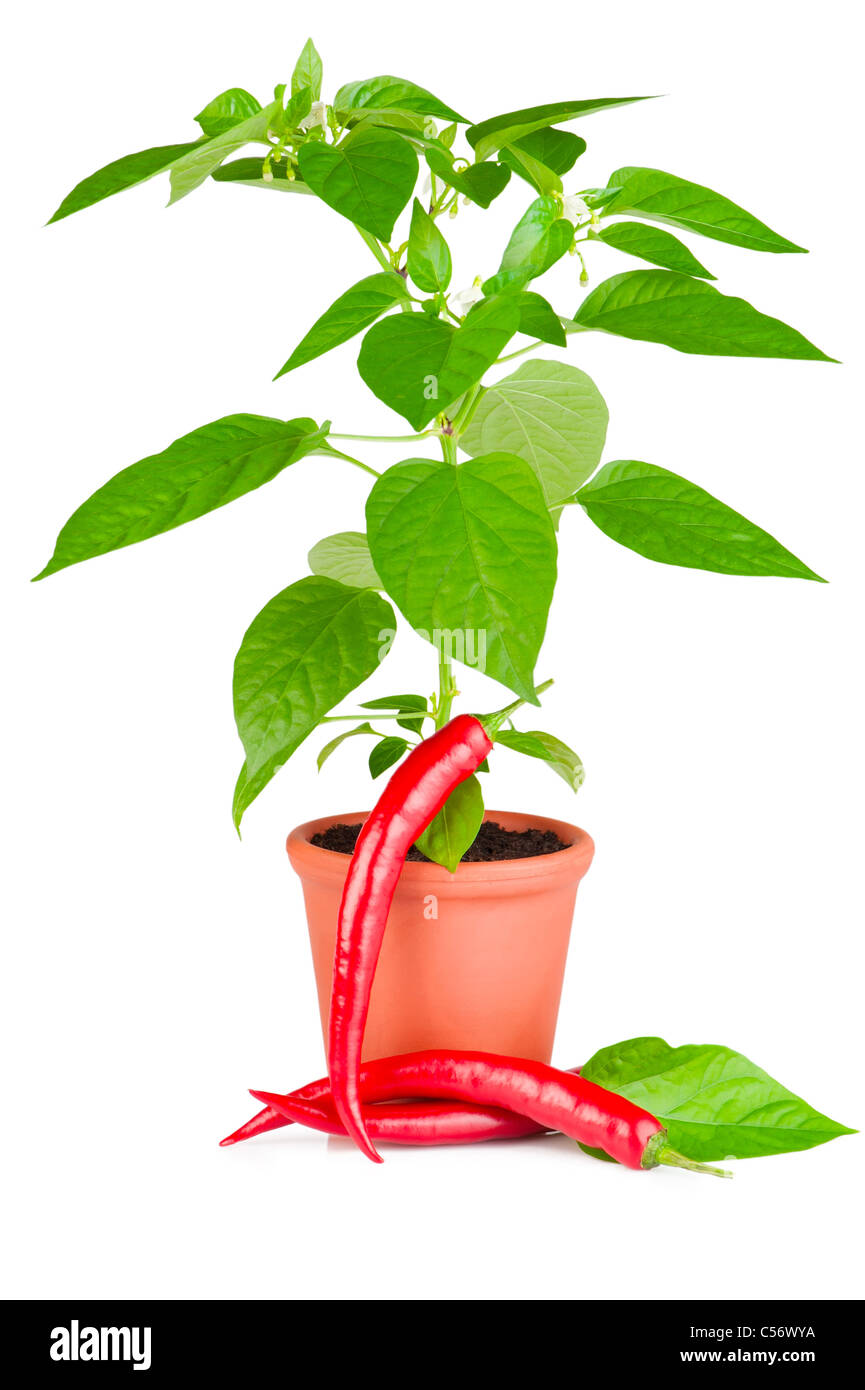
{"points": [[305, 651], [391, 94], [540, 238], [353, 311], [557, 755], [122, 174], [199, 472], [191, 169], [419, 365], [666, 518], [712, 1101], [345, 556], [455, 828], [369, 181], [654, 245], [660, 306], [468, 550], [227, 110], [428, 256], [550, 414], [553, 149], [498, 131], [308, 71], [665, 198], [481, 183]]}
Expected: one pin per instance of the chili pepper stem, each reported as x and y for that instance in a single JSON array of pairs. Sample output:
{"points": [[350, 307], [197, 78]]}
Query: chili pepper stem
{"points": [[493, 722], [658, 1152]]}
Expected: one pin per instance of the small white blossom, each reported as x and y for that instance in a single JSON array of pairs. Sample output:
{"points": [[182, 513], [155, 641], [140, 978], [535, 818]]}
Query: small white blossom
{"points": [[461, 302], [317, 116], [574, 208]]}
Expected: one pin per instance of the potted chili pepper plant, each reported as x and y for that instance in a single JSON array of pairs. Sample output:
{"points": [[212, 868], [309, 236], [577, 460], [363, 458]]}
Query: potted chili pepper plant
{"points": [[461, 537]]}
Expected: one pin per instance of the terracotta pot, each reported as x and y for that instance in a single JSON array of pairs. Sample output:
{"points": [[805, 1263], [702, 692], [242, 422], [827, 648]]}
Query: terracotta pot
{"points": [[473, 959]]}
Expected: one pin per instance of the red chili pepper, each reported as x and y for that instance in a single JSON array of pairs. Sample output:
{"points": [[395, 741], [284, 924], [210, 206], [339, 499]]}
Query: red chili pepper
{"points": [[555, 1099], [414, 795]]}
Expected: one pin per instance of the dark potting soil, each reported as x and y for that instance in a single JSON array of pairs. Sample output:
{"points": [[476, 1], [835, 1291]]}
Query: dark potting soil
{"points": [[492, 842]]}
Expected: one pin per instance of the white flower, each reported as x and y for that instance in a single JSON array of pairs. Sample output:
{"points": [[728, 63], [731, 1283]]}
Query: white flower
{"points": [[461, 302], [575, 208], [317, 116]]}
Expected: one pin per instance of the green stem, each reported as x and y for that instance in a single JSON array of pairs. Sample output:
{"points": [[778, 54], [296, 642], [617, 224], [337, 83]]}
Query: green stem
{"points": [[375, 247], [519, 353], [467, 410], [493, 722], [348, 458], [385, 438], [671, 1159], [367, 715], [447, 689]]}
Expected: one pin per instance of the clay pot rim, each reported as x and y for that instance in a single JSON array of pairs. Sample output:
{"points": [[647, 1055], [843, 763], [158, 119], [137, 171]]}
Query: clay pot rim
{"points": [[572, 862]]}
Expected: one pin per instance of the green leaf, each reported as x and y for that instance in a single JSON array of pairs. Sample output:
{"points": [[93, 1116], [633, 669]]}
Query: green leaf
{"points": [[666, 518], [412, 706], [538, 319], [296, 111], [548, 413], [369, 181], [335, 743], [558, 150], [654, 245], [498, 131], [561, 759], [663, 197], [482, 183], [385, 754], [428, 256], [308, 71], [391, 94], [121, 174], [598, 197], [227, 110], [468, 550], [419, 365], [356, 309], [345, 557], [191, 169], [250, 172], [305, 651], [544, 180], [196, 474], [712, 1101], [540, 238], [455, 828], [660, 306]]}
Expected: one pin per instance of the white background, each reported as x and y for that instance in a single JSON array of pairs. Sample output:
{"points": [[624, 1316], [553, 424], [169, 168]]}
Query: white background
{"points": [[155, 967]]}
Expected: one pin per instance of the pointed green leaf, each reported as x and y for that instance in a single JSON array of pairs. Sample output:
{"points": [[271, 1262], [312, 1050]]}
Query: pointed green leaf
{"points": [[335, 743], [308, 71], [122, 174], [548, 413], [540, 238], [227, 110], [558, 150], [538, 319], [666, 518], [305, 651], [663, 197], [455, 828], [251, 173], [482, 183], [345, 557], [660, 306], [428, 256], [196, 474], [297, 109], [191, 169], [542, 178], [385, 754], [353, 311], [561, 759], [654, 245], [713, 1102], [369, 181], [498, 131], [469, 550], [391, 94], [413, 707], [419, 365]]}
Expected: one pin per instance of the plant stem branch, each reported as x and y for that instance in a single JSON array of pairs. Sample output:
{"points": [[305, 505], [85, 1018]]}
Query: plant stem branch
{"points": [[385, 438]]}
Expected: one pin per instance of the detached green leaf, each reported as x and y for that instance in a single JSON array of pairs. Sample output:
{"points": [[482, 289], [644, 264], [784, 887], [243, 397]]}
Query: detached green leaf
{"points": [[498, 131], [428, 256], [469, 551], [385, 754], [191, 169], [660, 306], [455, 828], [391, 94], [712, 1101], [561, 759], [663, 197], [227, 110], [538, 319], [653, 244], [419, 365], [337, 742], [548, 413], [304, 652], [540, 238], [666, 518], [482, 183], [557, 150], [369, 181], [345, 557], [353, 311], [308, 71], [196, 474], [121, 174]]}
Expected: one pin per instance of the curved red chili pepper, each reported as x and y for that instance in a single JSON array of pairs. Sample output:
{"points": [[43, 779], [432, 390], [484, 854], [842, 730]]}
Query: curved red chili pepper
{"points": [[415, 794], [555, 1099]]}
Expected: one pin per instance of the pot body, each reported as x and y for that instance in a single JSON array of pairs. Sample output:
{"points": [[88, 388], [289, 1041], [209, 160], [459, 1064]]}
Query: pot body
{"points": [[474, 959]]}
